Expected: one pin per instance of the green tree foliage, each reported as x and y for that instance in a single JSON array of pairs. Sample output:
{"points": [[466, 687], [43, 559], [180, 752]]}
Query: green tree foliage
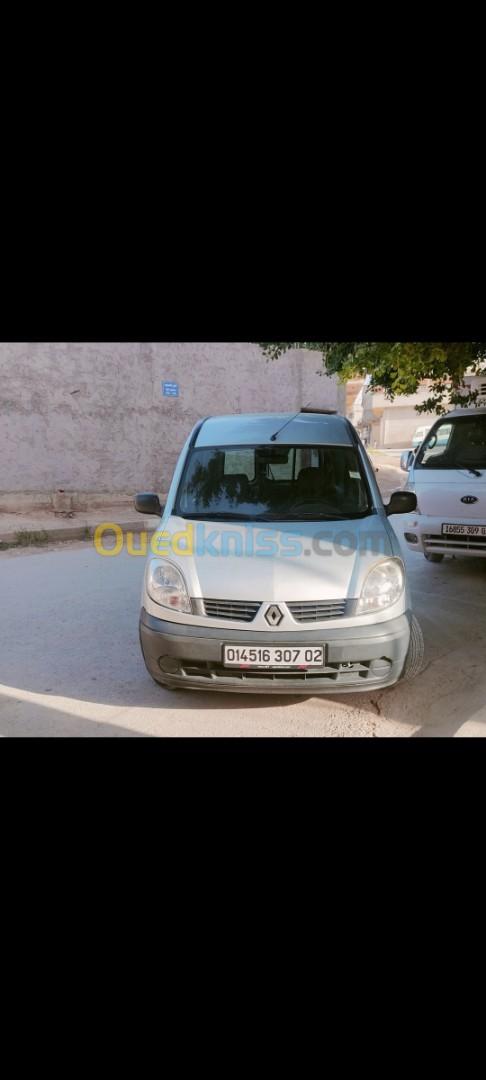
{"points": [[399, 367]]}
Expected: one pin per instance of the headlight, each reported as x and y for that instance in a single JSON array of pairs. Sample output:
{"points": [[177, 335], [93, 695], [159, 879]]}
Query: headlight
{"points": [[166, 585], [382, 587]]}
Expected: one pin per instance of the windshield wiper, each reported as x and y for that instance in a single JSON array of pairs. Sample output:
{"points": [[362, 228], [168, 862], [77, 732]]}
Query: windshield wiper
{"points": [[217, 516], [284, 516], [450, 465], [318, 517], [471, 469]]}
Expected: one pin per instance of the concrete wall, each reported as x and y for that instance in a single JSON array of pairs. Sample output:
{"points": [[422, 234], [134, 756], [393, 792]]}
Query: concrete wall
{"points": [[393, 423], [400, 424], [91, 417]]}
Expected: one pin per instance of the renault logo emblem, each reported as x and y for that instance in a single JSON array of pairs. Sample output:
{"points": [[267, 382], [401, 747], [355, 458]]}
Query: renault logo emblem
{"points": [[273, 615], [469, 499]]}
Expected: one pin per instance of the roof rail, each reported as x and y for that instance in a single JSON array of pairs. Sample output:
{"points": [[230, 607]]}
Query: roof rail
{"points": [[325, 412]]}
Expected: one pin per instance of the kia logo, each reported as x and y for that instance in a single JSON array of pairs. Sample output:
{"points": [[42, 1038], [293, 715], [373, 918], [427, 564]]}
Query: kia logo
{"points": [[469, 499]]}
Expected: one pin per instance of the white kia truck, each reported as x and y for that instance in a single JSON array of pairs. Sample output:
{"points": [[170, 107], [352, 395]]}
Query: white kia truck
{"points": [[448, 477], [274, 567]]}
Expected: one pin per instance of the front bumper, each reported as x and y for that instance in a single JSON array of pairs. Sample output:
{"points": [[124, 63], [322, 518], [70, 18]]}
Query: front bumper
{"points": [[429, 539], [357, 658]]}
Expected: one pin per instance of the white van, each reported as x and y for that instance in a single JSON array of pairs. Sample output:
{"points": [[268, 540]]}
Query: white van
{"points": [[448, 476], [274, 567]]}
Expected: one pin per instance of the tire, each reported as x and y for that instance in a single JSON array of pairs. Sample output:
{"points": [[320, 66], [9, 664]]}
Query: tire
{"points": [[433, 556], [416, 650]]}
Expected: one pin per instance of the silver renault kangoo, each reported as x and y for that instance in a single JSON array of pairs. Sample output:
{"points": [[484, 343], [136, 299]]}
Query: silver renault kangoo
{"points": [[274, 567]]}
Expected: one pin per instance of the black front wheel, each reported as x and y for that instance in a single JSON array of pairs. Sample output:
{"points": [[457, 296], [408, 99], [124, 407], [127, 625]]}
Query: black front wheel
{"points": [[433, 556], [416, 651]]}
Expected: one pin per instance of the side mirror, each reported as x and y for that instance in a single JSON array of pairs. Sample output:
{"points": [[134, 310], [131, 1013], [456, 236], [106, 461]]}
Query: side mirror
{"points": [[406, 460], [148, 504], [402, 502]]}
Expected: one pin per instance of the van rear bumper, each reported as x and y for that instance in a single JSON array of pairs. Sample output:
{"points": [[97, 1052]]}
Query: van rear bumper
{"points": [[356, 658]]}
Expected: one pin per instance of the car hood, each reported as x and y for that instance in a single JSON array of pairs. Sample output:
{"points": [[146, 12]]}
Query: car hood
{"points": [[440, 493], [291, 561]]}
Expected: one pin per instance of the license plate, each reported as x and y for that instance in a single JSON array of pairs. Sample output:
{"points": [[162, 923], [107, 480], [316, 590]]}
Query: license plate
{"points": [[464, 530], [285, 656]]}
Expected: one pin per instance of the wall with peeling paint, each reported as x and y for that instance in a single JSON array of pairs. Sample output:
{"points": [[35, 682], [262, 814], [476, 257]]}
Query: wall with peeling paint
{"points": [[91, 417]]}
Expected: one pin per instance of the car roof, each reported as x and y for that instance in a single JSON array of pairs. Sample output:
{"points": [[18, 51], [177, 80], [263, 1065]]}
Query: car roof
{"points": [[249, 429], [481, 409]]}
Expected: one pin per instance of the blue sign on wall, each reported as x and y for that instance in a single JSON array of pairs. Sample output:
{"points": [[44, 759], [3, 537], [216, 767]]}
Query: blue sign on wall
{"points": [[170, 389]]}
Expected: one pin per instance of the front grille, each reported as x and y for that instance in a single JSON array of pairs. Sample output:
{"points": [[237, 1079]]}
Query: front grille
{"points": [[455, 543], [239, 610], [317, 610]]}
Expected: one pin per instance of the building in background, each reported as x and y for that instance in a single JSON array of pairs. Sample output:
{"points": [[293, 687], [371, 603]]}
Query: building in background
{"points": [[392, 424], [95, 418]]}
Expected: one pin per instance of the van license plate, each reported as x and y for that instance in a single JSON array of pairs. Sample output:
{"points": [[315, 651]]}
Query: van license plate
{"points": [[256, 656], [464, 530]]}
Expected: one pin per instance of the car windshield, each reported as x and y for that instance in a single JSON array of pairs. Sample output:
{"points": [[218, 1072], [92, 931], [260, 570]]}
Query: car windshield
{"points": [[273, 483], [458, 443]]}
